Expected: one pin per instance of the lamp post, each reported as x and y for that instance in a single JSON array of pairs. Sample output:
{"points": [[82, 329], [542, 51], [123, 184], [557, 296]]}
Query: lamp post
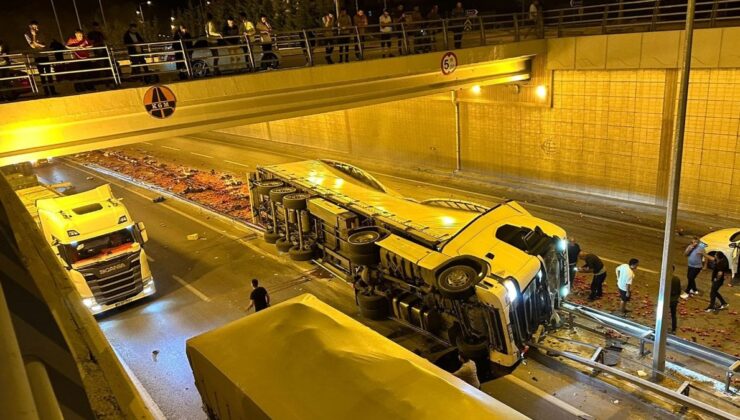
{"points": [[140, 10], [77, 13], [59, 27]]}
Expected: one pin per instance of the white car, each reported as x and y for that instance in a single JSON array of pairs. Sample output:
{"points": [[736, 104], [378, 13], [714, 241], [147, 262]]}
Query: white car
{"points": [[726, 241]]}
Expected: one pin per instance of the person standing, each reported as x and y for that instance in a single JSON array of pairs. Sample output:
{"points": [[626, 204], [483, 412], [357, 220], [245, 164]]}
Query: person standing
{"points": [[695, 254], [79, 46], [184, 45], [133, 40], [433, 23], [248, 32], [328, 23], [721, 269], [458, 24], [675, 293], [259, 297], [596, 266], [400, 18], [386, 26], [344, 23], [215, 40], [269, 60], [574, 250], [625, 275], [37, 44], [360, 21], [468, 372]]}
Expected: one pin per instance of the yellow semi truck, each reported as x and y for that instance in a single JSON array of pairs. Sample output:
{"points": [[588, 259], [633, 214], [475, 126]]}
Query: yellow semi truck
{"points": [[485, 280]]}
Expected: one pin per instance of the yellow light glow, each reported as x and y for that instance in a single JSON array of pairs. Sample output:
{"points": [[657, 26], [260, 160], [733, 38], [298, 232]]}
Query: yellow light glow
{"points": [[475, 89], [338, 182], [447, 220], [541, 91]]}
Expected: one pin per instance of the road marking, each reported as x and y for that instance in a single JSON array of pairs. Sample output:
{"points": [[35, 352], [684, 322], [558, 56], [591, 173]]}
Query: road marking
{"points": [[169, 147], [150, 259], [547, 397], [154, 409], [198, 154], [146, 142], [236, 163], [195, 291], [640, 268]]}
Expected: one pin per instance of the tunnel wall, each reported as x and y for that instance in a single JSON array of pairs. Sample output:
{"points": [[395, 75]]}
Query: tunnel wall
{"points": [[605, 127]]}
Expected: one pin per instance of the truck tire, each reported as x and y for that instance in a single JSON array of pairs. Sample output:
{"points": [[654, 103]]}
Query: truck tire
{"points": [[474, 350], [271, 237], [298, 254], [374, 314], [457, 281], [277, 194], [362, 242], [296, 201], [264, 187], [371, 301], [283, 245]]}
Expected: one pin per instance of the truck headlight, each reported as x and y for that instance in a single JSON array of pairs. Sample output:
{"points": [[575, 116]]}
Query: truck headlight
{"points": [[122, 219], [511, 291], [89, 302], [564, 291], [563, 245]]}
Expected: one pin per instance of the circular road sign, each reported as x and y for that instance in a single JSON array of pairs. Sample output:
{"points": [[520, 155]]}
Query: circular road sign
{"points": [[449, 63], [159, 101]]}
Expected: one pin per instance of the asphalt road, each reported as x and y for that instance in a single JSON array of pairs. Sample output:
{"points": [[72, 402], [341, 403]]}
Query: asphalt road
{"points": [[205, 283]]}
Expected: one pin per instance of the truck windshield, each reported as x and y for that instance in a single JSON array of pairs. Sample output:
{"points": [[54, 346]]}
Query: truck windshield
{"points": [[99, 246]]}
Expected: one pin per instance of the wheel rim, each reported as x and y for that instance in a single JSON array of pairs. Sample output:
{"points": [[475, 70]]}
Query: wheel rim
{"points": [[457, 279], [365, 237], [297, 197]]}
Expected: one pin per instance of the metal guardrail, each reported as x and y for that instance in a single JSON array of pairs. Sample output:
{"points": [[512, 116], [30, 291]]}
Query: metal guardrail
{"points": [[40, 73]]}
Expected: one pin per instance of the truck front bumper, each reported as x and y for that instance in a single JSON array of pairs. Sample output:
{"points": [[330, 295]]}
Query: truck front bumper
{"points": [[149, 289]]}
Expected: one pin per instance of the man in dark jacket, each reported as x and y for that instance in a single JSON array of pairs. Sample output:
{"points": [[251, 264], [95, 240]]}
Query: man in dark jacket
{"points": [[596, 266], [675, 294], [131, 39]]}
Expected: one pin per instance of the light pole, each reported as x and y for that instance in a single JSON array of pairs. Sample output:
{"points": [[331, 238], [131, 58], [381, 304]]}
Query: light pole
{"points": [[59, 27], [102, 13], [77, 13], [140, 10]]}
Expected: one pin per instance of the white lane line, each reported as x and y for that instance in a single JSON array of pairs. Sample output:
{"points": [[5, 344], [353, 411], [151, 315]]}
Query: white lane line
{"points": [[647, 270], [199, 154], [146, 142], [236, 163], [195, 291], [549, 398], [154, 409], [168, 147], [150, 259]]}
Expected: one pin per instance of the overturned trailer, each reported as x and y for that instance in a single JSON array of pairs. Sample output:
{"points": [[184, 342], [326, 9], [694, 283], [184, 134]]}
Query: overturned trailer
{"points": [[482, 279], [303, 359]]}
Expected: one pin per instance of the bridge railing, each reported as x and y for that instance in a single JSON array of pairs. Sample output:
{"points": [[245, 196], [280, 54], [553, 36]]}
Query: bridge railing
{"points": [[39, 73]]}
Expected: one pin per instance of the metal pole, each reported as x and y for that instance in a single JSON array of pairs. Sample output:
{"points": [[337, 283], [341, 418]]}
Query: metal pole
{"points": [[77, 13], [456, 103], [672, 205], [102, 14], [59, 27]]}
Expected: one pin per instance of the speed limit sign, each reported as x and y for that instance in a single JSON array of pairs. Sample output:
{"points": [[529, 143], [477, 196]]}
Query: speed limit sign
{"points": [[449, 63]]}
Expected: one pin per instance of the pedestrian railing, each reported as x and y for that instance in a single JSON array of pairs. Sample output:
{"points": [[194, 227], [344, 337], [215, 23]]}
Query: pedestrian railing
{"points": [[40, 73]]}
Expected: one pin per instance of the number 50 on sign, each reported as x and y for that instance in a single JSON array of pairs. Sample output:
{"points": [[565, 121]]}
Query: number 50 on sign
{"points": [[449, 63]]}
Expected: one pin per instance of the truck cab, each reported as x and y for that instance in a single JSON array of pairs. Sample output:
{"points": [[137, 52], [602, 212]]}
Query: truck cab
{"points": [[482, 279]]}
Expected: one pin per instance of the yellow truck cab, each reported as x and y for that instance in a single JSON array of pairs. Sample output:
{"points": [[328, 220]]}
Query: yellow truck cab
{"points": [[97, 241], [482, 279]]}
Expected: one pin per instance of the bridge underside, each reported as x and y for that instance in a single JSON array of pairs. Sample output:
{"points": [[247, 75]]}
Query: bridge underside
{"points": [[59, 126]]}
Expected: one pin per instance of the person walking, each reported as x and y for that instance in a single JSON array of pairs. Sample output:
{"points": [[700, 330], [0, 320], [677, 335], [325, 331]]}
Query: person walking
{"points": [[468, 372], [675, 293], [259, 297], [593, 264], [360, 21], [36, 42], [344, 24], [386, 26], [625, 276], [458, 24], [721, 269], [695, 255], [328, 32]]}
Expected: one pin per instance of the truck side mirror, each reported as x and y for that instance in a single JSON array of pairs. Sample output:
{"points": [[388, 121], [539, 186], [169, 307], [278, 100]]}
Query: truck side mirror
{"points": [[142, 231]]}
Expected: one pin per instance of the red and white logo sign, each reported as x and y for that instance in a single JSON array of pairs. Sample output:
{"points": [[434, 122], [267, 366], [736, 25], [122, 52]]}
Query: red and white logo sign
{"points": [[449, 63]]}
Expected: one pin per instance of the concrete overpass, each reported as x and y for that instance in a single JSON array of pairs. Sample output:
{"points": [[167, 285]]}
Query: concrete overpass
{"points": [[59, 126]]}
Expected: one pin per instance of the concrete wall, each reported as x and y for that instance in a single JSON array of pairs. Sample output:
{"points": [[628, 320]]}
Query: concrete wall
{"points": [[605, 127]]}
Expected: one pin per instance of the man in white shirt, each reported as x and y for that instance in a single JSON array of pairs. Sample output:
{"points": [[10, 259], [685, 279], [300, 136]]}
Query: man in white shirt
{"points": [[625, 275], [468, 372]]}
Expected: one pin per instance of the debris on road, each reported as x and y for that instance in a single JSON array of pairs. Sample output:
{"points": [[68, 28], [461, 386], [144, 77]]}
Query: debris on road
{"points": [[158, 199], [193, 237], [155, 353]]}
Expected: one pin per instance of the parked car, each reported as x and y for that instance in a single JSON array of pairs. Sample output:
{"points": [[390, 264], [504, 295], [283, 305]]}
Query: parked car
{"points": [[727, 242]]}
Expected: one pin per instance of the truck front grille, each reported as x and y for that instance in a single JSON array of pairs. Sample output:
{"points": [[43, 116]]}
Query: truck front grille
{"points": [[112, 288]]}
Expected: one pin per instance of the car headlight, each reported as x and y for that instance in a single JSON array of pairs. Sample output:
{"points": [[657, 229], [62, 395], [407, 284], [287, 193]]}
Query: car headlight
{"points": [[511, 291], [89, 302]]}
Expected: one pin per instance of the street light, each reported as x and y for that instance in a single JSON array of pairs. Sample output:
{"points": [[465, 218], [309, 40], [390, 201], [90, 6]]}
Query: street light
{"points": [[140, 10]]}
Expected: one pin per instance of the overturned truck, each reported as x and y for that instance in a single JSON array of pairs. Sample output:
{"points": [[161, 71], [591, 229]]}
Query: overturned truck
{"points": [[482, 279]]}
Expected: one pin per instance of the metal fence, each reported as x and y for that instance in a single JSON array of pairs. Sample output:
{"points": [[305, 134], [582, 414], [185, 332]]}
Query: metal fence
{"points": [[32, 75]]}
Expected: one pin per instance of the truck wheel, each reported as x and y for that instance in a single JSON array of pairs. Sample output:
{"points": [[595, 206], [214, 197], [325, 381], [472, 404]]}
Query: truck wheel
{"points": [[271, 237], [366, 259], [457, 282], [298, 254], [475, 350], [264, 187], [374, 314], [295, 201], [283, 245], [277, 194], [363, 242], [371, 301]]}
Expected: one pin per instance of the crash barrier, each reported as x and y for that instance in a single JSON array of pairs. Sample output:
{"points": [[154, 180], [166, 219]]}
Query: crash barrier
{"points": [[55, 360], [38, 73]]}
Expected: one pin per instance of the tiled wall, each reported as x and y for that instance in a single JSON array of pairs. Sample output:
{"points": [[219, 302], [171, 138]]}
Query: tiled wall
{"points": [[601, 134]]}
